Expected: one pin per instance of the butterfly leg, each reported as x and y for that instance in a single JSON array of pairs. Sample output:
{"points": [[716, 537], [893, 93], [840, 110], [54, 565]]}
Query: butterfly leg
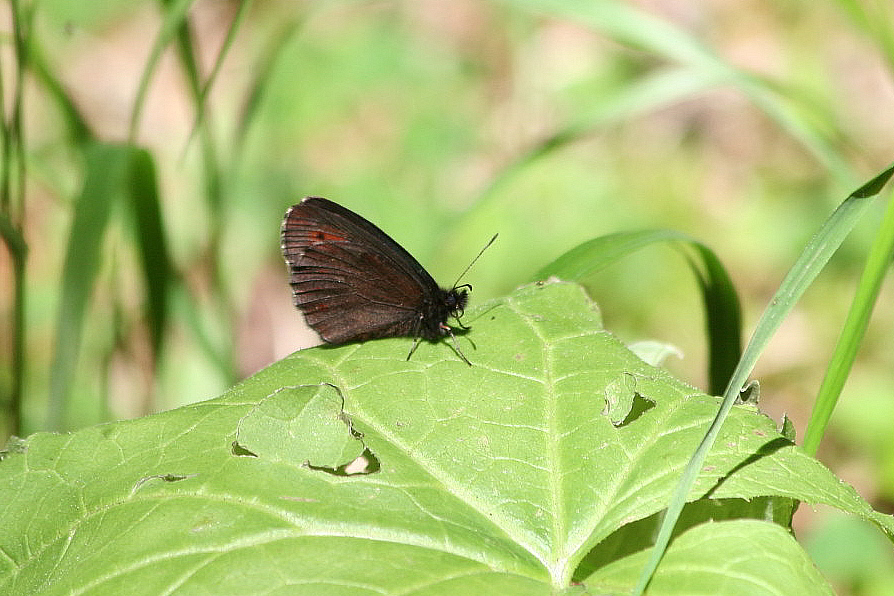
{"points": [[415, 345], [449, 331]]}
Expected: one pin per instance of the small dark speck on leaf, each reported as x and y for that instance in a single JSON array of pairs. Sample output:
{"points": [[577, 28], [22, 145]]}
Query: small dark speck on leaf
{"points": [[162, 477], [173, 477]]}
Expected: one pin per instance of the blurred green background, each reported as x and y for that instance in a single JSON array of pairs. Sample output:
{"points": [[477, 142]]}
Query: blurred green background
{"points": [[742, 124]]}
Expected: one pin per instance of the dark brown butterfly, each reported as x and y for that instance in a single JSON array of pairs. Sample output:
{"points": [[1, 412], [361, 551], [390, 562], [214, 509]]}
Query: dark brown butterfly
{"points": [[353, 282]]}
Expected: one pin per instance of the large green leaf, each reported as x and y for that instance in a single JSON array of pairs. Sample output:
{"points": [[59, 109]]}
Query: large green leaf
{"points": [[541, 469]]}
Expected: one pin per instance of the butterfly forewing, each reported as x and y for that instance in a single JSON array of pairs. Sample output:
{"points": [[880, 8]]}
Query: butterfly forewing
{"points": [[352, 281]]}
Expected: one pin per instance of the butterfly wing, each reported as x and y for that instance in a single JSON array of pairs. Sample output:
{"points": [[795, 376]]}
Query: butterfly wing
{"points": [[351, 280]]}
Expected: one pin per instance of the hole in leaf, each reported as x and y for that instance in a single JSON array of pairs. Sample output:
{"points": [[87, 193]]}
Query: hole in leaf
{"points": [[623, 404], [750, 394], [365, 463], [241, 451], [640, 406], [305, 426]]}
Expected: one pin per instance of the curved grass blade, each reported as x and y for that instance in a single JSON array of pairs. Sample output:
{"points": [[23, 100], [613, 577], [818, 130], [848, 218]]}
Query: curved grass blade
{"points": [[106, 171], [878, 263], [722, 312], [811, 261], [630, 25], [650, 92], [723, 318]]}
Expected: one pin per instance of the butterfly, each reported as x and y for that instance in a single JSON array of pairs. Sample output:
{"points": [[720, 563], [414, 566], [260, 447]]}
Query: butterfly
{"points": [[353, 282]]}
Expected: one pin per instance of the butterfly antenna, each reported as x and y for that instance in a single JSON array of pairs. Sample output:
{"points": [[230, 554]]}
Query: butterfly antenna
{"points": [[466, 270]]}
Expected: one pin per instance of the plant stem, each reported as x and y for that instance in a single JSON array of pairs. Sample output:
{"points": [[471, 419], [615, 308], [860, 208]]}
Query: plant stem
{"points": [[12, 209]]}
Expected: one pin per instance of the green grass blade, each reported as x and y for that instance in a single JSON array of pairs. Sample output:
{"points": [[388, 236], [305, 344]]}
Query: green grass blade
{"points": [[186, 51], [173, 18], [646, 94], [630, 25], [722, 312], [12, 237], [814, 257], [106, 168], [13, 177], [877, 265], [723, 318], [78, 129], [176, 28], [151, 243], [595, 255], [213, 184], [196, 320], [875, 19], [215, 69], [13, 392], [263, 70]]}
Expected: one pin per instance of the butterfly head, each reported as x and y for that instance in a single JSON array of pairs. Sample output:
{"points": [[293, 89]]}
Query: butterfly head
{"points": [[455, 300]]}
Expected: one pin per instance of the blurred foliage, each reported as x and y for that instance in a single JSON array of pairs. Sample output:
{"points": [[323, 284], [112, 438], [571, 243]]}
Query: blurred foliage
{"points": [[738, 124]]}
